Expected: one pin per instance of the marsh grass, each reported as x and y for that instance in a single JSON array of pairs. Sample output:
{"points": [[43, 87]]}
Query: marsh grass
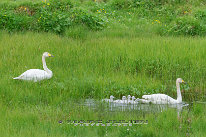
{"points": [[126, 57], [43, 120], [98, 67]]}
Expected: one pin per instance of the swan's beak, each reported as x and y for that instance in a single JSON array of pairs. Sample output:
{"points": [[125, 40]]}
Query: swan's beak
{"points": [[184, 82], [50, 55]]}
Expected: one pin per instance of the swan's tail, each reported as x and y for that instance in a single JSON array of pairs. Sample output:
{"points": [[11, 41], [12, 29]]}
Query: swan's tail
{"points": [[16, 78]]}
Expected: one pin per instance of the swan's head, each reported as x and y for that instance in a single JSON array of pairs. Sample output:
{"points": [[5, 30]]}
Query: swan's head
{"points": [[111, 97], [133, 97], [180, 80], [46, 54], [128, 96], [123, 97]]}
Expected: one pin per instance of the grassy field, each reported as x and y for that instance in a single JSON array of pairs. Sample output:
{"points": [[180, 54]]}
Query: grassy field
{"points": [[136, 50], [97, 67], [100, 66]]}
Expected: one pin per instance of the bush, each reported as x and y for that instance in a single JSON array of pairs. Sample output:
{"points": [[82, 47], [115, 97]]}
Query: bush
{"points": [[56, 16], [94, 22], [12, 22], [187, 25], [52, 16], [53, 21]]}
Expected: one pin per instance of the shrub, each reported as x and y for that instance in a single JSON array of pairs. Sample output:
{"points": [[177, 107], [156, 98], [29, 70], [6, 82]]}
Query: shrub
{"points": [[13, 22], [54, 16], [187, 25], [53, 21], [94, 22]]}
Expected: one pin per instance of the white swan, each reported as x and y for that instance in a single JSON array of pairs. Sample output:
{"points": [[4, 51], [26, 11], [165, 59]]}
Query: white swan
{"points": [[109, 100], [124, 100], [162, 98], [37, 74], [128, 99], [134, 100]]}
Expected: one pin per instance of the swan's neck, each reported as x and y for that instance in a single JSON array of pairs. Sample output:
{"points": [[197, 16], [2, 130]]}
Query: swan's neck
{"points": [[179, 97], [45, 66]]}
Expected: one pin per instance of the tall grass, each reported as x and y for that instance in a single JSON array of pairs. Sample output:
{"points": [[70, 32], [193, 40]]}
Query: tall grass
{"points": [[125, 57], [100, 66]]}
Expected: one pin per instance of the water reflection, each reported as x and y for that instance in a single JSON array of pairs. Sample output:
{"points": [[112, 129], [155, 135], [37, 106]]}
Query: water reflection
{"points": [[117, 107]]}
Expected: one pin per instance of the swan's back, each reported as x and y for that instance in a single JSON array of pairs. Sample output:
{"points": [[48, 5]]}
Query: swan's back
{"points": [[159, 99], [35, 75]]}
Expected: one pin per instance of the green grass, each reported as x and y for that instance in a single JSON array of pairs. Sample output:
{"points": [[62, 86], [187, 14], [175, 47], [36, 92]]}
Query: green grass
{"points": [[43, 121], [97, 66], [100, 66], [159, 17], [131, 55]]}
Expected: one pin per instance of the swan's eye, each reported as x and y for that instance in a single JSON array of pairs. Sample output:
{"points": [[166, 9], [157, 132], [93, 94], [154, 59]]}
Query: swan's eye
{"points": [[49, 55]]}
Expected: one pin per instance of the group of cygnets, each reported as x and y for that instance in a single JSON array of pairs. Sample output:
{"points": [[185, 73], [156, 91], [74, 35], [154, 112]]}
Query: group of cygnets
{"points": [[38, 75], [124, 100]]}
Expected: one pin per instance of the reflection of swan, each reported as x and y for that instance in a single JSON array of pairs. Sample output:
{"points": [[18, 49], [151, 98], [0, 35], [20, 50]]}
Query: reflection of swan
{"points": [[145, 108], [37, 74], [162, 98], [109, 100]]}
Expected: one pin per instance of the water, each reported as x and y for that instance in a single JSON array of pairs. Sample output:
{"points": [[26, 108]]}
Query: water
{"points": [[97, 105]]}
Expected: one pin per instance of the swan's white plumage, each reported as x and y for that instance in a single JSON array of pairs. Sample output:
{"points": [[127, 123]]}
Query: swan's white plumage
{"points": [[109, 100], [123, 101], [162, 98], [159, 99], [129, 99], [134, 100], [34, 75], [37, 74]]}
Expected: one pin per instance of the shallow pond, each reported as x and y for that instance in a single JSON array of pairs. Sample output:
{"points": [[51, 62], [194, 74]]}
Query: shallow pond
{"points": [[97, 105]]}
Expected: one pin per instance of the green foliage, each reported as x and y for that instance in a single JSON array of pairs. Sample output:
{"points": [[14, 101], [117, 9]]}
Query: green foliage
{"points": [[49, 16], [82, 17], [175, 17], [121, 4], [187, 25], [53, 21], [12, 22]]}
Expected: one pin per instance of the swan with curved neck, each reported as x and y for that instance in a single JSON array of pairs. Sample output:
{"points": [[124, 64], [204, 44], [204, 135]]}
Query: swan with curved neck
{"points": [[37, 74], [162, 98]]}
